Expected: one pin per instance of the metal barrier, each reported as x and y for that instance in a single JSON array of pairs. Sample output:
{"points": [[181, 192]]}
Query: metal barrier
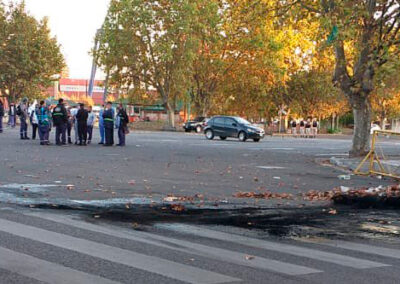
{"points": [[374, 159]]}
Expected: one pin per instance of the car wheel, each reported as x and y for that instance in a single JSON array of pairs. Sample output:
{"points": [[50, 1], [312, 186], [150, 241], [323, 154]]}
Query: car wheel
{"points": [[199, 129], [222, 137], [256, 139], [209, 134], [242, 136]]}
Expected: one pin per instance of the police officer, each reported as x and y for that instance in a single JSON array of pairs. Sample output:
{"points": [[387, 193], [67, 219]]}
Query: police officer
{"points": [[43, 119], [108, 117], [60, 119], [82, 117], [22, 112]]}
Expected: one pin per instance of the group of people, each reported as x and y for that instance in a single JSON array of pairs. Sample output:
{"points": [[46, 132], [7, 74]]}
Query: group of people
{"points": [[304, 128], [43, 118]]}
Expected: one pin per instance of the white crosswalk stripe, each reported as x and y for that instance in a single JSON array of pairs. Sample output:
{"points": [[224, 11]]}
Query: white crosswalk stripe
{"points": [[189, 247], [46, 271], [338, 259], [151, 264]]}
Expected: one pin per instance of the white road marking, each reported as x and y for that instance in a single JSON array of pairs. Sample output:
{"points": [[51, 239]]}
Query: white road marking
{"points": [[144, 262], [186, 247], [45, 271], [279, 247], [276, 149], [271, 168], [331, 154]]}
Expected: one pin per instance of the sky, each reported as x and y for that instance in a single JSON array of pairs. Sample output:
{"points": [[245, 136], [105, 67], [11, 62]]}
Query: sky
{"points": [[74, 23]]}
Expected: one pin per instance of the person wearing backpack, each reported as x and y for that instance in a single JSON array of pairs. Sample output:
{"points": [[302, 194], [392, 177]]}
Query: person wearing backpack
{"points": [[60, 120], [122, 125], [43, 119], [308, 128], [33, 120], [294, 128], [22, 112]]}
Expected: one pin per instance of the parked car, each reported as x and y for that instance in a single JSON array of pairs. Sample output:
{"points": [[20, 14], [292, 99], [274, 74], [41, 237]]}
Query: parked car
{"points": [[196, 124], [231, 126]]}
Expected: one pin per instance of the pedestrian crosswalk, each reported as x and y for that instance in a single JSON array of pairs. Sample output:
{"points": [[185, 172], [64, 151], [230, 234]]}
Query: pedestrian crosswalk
{"points": [[223, 257]]}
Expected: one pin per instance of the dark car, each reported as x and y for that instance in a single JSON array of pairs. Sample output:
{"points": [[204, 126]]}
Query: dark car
{"points": [[231, 126], [196, 124]]}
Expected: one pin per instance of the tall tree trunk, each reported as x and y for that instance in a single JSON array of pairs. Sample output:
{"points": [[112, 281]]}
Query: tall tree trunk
{"points": [[362, 125], [171, 115]]}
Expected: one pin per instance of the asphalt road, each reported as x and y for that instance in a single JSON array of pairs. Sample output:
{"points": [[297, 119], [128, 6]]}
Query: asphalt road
{"points": [[44, 239]]}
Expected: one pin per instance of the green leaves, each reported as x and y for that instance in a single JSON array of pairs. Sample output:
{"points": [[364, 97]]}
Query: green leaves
{"points": [[30, 57]]}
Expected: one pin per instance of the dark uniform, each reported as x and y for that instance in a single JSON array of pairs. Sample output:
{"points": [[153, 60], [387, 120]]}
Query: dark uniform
{"points": [[123, 124], [108, 117], [60, 119], [1, 116], [81, 118]]}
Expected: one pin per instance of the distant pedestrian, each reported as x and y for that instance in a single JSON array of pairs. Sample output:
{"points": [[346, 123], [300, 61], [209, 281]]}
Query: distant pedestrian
{"points": [[108, 117], [74, 111], [12, 114], [101, 126], [122, 125], [70, 125], [1, 116], [315, 128], [33, 119], [43, 118], [90, 124], [60, 119], [308, 128], [294, 128], [302, 128], [22, 112], [82, 118]]}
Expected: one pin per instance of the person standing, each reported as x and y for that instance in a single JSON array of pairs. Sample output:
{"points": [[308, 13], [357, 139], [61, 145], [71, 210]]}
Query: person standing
{"points": [[1, 116], [70, 124], [82, 119], [294, 128], [22, 112], [108, 117], [101, 126], [302, 128], [60, 119], [308, 128], [90, 124], [122, 125], [12, 112], [315, 128], [43, 118], [74, 111], [33, 119]]}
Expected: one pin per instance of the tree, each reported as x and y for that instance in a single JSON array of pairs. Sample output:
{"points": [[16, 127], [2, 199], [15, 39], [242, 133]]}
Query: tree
{"points": [[149, 45], [363, 34], [29, 57]]}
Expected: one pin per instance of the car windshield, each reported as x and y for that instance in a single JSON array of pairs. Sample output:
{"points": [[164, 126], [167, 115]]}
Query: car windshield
{"points": [[242, 121]]}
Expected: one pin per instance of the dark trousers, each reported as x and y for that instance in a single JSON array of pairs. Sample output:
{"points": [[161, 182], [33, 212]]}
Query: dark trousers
{"points": [[82, 132], [90, 132], [61, 133], [1, 124], [109, 135], [44, 134], [24, 128], [69, 130], [34, 130], [121, 135]]}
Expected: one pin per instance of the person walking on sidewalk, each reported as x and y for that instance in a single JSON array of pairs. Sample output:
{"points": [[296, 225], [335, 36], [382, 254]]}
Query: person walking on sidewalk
{"points": [[314, 128], [108, 117], [294, 128], [302, 128], [1, 116], [12, 112], [43, 119], [22, 112], [122, 125], [82, 119], [90, 124], [60, 119]]}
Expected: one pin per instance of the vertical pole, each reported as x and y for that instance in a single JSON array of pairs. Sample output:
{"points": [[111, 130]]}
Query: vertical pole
{"points": [[372, 157]]}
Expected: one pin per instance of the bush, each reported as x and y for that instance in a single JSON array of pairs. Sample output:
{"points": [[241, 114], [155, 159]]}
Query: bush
{"points": [[334, 130]]}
